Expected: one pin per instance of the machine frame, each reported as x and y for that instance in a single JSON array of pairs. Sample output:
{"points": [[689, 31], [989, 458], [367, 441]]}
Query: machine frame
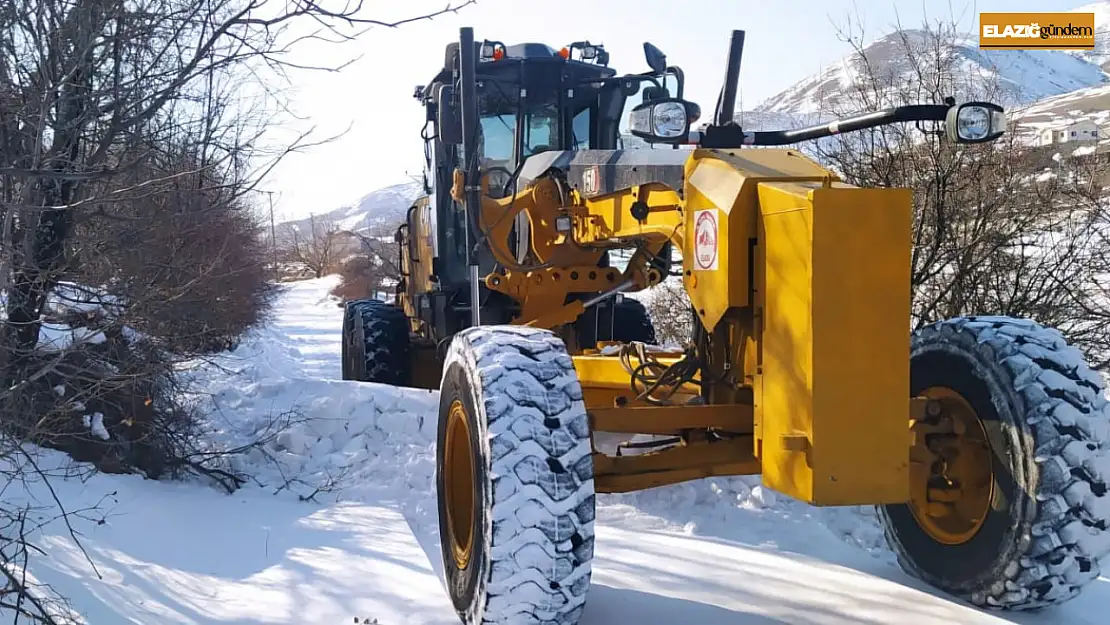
{"points": [[799, 368], [603, 199]]}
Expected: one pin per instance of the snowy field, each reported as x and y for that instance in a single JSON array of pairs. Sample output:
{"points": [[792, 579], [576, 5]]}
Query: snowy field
{"points": [[339, 524]]}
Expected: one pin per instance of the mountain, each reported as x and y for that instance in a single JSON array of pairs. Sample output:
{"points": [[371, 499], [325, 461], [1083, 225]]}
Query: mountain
{"points": [[384, 207], [1101, 54], [1024, 76]]}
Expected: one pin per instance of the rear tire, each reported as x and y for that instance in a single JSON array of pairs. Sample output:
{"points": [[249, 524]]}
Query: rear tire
{"points": [[1047, 425], [376, 343], [514, 478]]}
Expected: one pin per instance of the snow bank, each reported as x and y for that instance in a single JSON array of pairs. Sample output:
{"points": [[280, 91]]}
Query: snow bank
{"points": [[154, 553], [357, 441], [370, 442]]}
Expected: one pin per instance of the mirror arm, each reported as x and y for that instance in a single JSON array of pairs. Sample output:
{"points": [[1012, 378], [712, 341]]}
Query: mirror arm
{"points": [[645, 77], [680, 76], [732, 136]]}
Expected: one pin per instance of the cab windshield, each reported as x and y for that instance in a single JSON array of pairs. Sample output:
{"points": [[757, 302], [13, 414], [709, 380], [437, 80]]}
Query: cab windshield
{"points": [[541, 129]]}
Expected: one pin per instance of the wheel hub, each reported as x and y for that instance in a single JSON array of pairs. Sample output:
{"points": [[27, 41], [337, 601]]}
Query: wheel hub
{"points": [[458, 484], [951, 476]]}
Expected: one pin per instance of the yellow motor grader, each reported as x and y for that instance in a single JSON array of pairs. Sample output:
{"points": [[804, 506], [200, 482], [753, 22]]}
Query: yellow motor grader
{"points": [[983, 441]]}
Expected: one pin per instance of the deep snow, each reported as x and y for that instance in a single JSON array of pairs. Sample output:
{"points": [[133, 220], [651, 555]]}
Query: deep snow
{"points": [[365, 545]]}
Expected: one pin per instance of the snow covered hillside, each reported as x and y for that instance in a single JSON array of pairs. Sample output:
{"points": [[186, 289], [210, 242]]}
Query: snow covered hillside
{"points": [[1024, 76], [339, 523], [385, 206], [1101, 54], [1062, 112]]}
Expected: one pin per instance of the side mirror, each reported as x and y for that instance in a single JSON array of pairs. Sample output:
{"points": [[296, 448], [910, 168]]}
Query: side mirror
{"points": [[656, 60], [448, 123], [975, 122], [662, 121]]}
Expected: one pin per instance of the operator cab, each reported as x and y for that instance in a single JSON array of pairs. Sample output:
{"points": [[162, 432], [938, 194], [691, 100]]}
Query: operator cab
{"points": [[531, 105], [531, 98]]}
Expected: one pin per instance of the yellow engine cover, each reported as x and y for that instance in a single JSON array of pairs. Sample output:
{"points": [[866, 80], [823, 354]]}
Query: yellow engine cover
{"points": [[721, 207], [832, 297]]}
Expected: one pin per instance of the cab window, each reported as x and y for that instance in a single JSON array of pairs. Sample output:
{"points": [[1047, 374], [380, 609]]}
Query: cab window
{"points": [[498, 138], [581, 128]]}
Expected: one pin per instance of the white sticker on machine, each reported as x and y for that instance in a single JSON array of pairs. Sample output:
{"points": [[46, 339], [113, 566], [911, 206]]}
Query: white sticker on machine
{"points": [[705, 239]]}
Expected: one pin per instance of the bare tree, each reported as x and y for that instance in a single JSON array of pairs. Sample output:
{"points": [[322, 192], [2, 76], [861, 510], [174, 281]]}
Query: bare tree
{"points": [[130, 142], [1000, 228], [314, 249], [131, 136], [87, 86]]}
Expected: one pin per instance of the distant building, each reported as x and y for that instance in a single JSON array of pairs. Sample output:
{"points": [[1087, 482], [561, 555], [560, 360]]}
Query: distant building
{"points": [[1084, 130]]}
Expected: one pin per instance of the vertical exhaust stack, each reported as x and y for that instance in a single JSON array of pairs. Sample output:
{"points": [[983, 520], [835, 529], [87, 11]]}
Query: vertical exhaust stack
{"points": [[726, 105], [468, 111]]}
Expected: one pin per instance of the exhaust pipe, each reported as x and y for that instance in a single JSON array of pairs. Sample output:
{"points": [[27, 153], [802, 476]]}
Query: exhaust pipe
{"points": [[468, 111], [726, 105]]}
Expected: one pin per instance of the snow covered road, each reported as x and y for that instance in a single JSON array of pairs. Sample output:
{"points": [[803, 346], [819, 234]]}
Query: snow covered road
{"points": [[365, 546]]}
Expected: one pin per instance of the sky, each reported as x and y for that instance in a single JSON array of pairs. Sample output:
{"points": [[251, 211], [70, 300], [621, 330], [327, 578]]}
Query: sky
{"points": [[370, 100]]}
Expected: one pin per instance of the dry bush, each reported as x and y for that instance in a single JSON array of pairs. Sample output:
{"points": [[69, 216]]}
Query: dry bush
{"points": [[371, 269], [156, 277], [356, 280], [187, 256], [671, 312]]}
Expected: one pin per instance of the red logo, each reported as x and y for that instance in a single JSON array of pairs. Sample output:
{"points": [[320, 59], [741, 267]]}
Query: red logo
{"points": [[705, 240]]}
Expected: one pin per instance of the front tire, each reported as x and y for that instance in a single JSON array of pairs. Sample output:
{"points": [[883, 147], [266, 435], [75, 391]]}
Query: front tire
{"points": [[514, 478], [1025, 519]]}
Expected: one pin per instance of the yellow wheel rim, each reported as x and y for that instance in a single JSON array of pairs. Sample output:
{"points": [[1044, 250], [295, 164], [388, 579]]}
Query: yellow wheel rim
{"points": [[951, 476], [458, 484]]}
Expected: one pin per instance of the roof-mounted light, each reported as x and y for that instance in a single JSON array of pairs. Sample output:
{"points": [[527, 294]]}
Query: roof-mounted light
{"points": [[587, 52], [491, 51]]}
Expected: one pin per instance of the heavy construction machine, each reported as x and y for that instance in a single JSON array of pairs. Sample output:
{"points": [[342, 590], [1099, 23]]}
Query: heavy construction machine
{"points": [[984, 442]]}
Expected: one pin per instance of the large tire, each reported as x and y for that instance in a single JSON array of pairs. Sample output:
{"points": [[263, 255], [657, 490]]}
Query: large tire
{"points": [[515, 475], [348, 349], [629, 322], [376, 343], [1045, 518]]}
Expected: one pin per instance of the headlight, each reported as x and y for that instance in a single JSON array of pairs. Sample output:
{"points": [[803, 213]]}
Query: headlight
{"points": [[668, 120], [660, 120], [975, 122]]}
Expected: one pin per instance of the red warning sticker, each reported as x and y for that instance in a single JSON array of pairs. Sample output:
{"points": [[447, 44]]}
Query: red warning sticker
{"points": [[705, 239]]}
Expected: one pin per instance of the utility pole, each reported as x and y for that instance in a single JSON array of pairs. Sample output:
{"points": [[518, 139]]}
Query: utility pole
{"points": [[273, 231]]}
